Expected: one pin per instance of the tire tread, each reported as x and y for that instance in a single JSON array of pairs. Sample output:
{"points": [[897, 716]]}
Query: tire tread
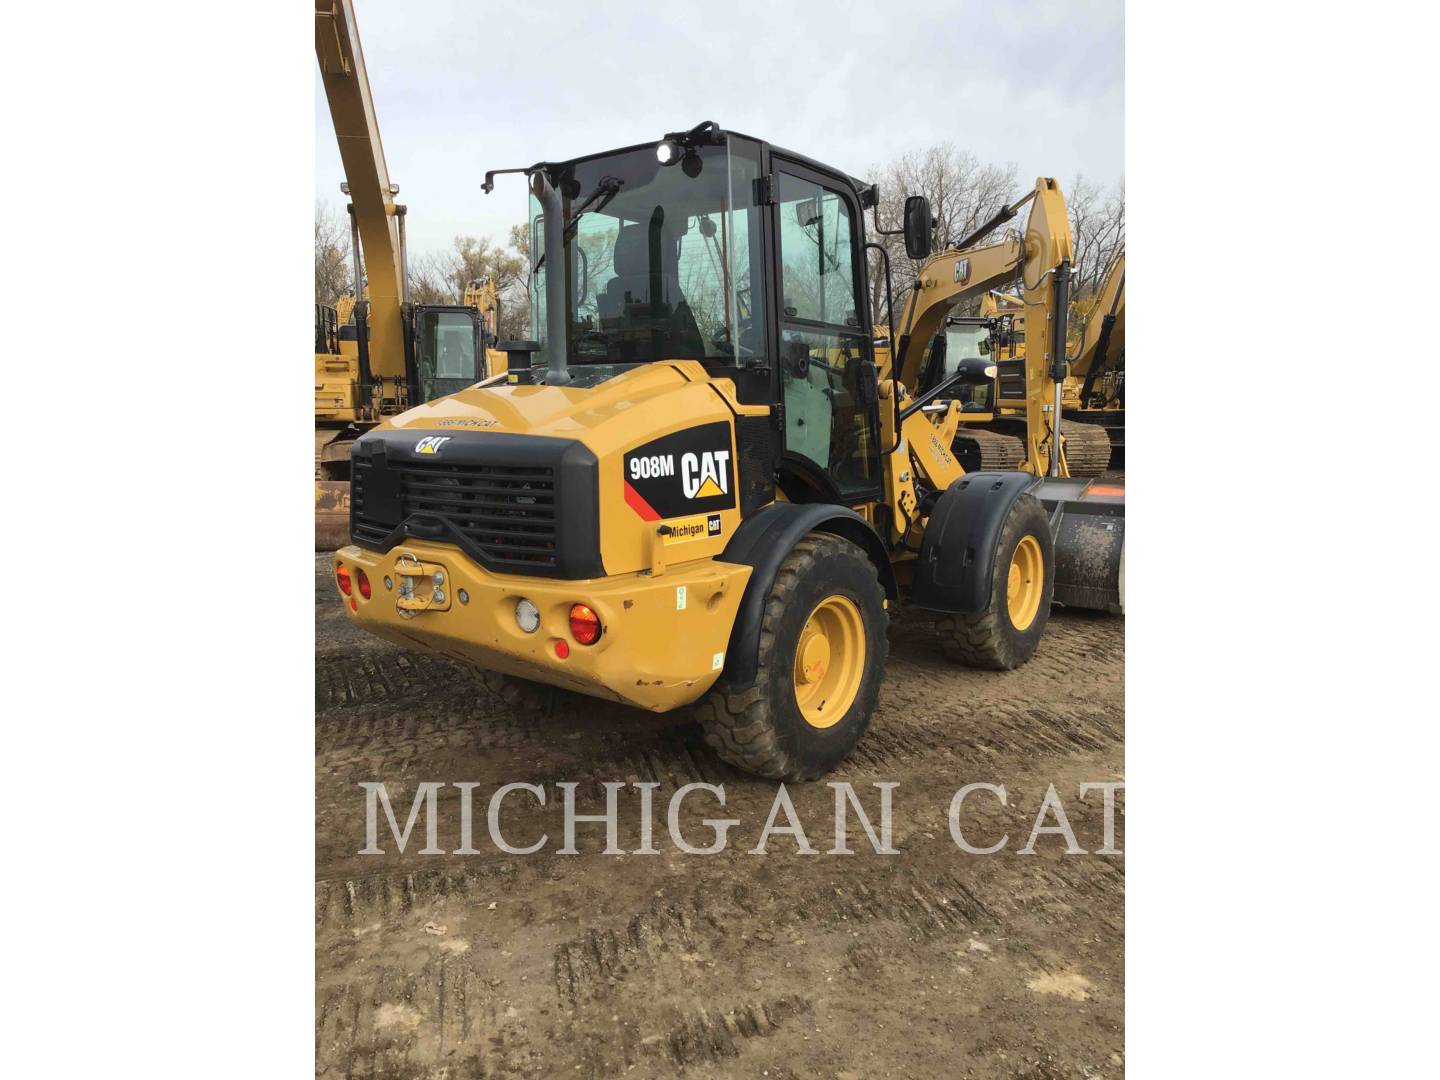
{"points": [[740, 727]]}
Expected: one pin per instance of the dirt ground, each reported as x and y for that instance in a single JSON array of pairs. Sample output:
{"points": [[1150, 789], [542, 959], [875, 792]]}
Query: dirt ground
{"points": [[932, 962]]}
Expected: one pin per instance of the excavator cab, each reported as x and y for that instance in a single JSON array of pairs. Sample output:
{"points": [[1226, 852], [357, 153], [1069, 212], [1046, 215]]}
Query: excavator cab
{"points": [[449, 349], [964, 339]]}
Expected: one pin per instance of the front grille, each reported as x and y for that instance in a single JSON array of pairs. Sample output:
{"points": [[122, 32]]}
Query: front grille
{"points": [[506, 511], [518, 504]]}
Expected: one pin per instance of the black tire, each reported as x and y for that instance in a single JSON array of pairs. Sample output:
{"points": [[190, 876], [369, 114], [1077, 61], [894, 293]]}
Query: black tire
{"points": [[761, 730], [990, 639]]}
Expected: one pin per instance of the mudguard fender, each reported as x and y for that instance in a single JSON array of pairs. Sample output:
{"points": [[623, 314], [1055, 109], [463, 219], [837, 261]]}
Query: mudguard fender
{"points": [[763, 541], [957, 554]]}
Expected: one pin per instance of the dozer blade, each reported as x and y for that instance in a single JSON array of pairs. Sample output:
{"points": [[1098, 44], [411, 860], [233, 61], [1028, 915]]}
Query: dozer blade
{"points": [[1087, 522], [332, 514], [332, 494]]}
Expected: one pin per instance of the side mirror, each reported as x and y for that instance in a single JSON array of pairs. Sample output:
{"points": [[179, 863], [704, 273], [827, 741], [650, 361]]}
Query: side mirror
{"points": [[974, 370], [917, 227]]}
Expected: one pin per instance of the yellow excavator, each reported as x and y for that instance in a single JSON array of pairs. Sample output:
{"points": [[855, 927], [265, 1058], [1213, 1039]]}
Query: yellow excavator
{"points": [[993, 434], [390, 354], [1097, 372], [707, 483]]}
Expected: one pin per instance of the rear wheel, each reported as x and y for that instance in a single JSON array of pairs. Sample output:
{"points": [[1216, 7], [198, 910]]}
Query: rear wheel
{"points": [[1007, 632], [822, 657]]}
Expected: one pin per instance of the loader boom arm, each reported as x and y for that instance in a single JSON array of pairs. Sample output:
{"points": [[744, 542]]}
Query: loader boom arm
{"points": [[347, 89]]}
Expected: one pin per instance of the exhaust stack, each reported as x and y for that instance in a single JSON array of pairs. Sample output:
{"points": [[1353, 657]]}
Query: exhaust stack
{"points": [[556, 317]]}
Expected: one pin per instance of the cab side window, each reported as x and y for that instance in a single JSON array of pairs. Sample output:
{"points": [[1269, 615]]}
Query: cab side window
{"points": [[817, 278]]}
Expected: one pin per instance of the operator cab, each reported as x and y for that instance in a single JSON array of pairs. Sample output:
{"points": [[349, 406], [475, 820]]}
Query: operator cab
{"points": [[716, 247], [963, 339], [449, 348]]}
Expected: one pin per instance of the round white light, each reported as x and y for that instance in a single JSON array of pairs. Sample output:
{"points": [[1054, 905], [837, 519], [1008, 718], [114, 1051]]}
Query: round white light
{"points": [[527, 616], [667, 153]]}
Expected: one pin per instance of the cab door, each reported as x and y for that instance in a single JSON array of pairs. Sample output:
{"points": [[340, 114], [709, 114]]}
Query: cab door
{"points": [[827, 372]]}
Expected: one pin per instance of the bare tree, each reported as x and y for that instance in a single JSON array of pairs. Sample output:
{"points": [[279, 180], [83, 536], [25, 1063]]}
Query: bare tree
{"points": [[332, 255], [1097, 220], [430, 280], [964, 193], [441, 277], [515, 297]]}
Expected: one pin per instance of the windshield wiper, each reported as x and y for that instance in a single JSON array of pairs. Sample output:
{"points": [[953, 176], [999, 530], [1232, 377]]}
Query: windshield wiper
{"points": [[608, 187], [606, 190]]}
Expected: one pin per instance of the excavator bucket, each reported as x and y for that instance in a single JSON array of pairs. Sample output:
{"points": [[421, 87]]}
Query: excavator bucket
{"points": [[1087, 521]]}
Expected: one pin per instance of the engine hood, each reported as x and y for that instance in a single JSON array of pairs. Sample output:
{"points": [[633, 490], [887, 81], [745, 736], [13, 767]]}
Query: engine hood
{"points": [[655, 445], [558, 411]]}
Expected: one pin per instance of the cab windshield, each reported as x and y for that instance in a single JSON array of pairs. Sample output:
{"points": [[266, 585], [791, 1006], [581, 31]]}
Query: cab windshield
{"points": [[966, 341], [661, 261]]}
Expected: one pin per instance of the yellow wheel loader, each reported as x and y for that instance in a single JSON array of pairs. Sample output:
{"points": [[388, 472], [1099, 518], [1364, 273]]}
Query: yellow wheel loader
{"points": [[705, 482], [389, 354]]}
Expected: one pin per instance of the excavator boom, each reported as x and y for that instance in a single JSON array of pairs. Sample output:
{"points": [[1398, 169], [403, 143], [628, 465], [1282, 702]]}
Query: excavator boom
{"points": [[1040, 261], [372, 196]]}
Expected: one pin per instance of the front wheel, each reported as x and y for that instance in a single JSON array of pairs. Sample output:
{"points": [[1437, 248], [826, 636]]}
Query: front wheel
{"points": [[822, 658], [1007, 632]]}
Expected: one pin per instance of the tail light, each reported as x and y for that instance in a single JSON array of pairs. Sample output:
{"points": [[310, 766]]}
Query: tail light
{"points": [[362, 583], [584, 624], [342, 577]]}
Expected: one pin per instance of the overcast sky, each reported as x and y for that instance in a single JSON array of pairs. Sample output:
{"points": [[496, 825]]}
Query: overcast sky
{"points": [[464, 87]]}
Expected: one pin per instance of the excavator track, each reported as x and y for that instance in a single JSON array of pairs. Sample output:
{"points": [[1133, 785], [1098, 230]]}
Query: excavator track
{"points": [[1087, 448], [977, 448]]}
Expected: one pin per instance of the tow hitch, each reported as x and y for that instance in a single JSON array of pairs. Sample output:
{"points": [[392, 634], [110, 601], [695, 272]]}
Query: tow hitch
{"points": [[422, 586]]}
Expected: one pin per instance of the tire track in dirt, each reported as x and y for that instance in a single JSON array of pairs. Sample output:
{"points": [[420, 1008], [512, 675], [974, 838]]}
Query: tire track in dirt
{"points": [[397, 1024], [350, 679], [707, 1036], [663, 974], [383, 896], [593, 964]]}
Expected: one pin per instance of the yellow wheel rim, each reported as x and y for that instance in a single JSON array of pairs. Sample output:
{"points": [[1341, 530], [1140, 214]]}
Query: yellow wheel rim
{"points": [[829, 661], [1026, 583]]}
